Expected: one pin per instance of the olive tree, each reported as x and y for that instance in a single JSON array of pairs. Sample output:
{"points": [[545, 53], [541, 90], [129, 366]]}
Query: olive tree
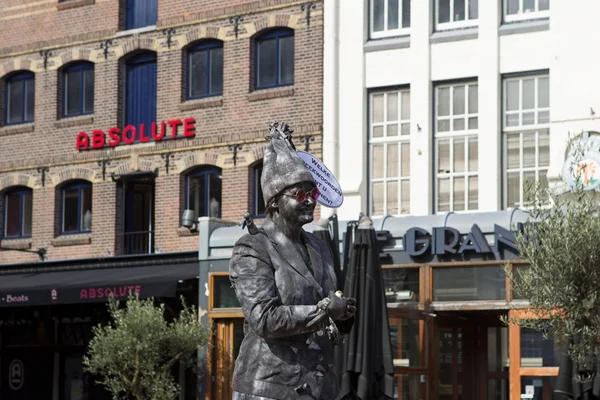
{"points": [[134, 354], [561, 244]]}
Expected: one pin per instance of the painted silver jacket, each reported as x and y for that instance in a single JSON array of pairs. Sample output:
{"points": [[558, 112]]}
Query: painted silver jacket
{"points": [[280, 357]]}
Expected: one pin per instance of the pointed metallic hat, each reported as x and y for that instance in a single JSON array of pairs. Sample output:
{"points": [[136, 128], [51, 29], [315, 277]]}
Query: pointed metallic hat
{"points": [[282, 167]]}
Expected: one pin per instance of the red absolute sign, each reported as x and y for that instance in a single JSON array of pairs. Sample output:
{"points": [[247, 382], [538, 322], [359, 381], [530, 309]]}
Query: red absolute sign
{"points": [[131, 134]]}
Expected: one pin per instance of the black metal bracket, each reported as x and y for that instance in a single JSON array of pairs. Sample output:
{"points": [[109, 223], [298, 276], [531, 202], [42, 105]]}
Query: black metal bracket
{"points": [[167, 157], [235, 149], [104, 46], [307, 7], [169, 32], [45, 54], [235, 21], [43, 171], [307, 139], [41, 252], [103, 164]]}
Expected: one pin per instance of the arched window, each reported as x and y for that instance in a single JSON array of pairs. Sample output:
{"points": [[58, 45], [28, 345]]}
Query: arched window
{"points": [[76, 207], [140, 91], [78, 89], [205, 69], [274, 63], [19, 96], [203, 192], [257, 198], [17, 213]]}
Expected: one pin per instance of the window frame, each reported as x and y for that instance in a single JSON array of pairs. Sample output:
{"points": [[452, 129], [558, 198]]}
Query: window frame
{"points": [[451, 135], [206, 172], [20, 191], [400, 31], [130, 7], [79, 185], [255, 191], [277, 34], [521, 16], [130, 96], [466, 23], [23, 77], [400, 140], [208, 46], [80, 67], [535, 129]]}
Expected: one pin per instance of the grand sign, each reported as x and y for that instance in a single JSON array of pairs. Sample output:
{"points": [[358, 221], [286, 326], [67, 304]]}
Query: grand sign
{"points": [[131, 134], [449, 241]]}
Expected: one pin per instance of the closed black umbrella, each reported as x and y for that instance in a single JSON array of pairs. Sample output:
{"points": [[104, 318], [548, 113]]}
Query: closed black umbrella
{"points": [[569, 382], [367, 369], [322, 231]]}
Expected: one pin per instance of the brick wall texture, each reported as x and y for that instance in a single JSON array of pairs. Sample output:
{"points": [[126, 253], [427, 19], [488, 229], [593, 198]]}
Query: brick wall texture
{"points": [[73, 30]]}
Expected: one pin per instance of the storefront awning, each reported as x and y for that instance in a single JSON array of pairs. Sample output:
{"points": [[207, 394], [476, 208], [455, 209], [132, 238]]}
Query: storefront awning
{"points": [[92, 285]]}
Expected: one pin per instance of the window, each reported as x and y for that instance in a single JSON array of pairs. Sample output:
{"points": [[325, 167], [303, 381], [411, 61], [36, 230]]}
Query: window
{"points": [[78, 89], [275, 59], [389, 146], [205, 69], [519, 10], [140, 13], [140, 96], [258, 201], [537, 351], [469, 283], [451, 14], [389, 17], [19, 98], [76, 207], [203, 192], [456, 150], [17, 213], [526, 122]]}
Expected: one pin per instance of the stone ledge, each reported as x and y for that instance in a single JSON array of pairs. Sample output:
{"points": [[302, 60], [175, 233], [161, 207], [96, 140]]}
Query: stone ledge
{"points": [[183, 232], [16, 244], [74, 121], [68, 4], [266, 94], [72, 240], [16, 129], [209, 102]]}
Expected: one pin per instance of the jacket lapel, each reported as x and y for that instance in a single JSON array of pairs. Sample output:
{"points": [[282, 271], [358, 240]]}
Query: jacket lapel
{"points": [[289, 253], [315, 258]]}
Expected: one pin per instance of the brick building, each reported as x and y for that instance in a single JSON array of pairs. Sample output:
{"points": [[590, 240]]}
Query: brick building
{"points": [[133, 111]]}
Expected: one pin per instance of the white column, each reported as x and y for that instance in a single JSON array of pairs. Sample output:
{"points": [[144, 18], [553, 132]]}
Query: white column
{"points": [[330, 91], [352, 109], [490, 108], [421, 155]]}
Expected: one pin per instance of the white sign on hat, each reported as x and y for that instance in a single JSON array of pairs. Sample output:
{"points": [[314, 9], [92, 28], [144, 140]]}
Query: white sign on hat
{"points": [[331, 191]]}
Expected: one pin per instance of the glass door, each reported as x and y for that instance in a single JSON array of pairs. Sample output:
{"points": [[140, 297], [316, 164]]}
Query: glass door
{"points": [[227, 340], [472, 357]]}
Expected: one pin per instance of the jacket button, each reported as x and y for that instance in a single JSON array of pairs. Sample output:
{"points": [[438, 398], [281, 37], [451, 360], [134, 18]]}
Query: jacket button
{"points": [[320, 357]]}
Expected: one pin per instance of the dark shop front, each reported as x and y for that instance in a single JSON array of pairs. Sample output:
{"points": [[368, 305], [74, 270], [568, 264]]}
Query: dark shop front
{"points": [[47, 311]]}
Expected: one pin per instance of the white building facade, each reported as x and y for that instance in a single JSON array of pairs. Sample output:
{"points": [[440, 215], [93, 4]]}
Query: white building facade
{"points": [[434, 106]]}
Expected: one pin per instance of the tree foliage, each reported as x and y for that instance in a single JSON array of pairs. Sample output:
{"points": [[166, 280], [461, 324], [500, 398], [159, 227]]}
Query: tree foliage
{"points": [[561, 243], [134, 354]]}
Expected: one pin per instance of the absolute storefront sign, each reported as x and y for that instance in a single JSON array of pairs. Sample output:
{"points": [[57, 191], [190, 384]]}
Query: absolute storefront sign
{"points": [[142, 133], [86, 294], [448, 241]]}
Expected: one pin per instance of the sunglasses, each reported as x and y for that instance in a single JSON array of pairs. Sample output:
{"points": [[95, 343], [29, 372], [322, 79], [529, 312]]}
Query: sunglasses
{"points": [[302, 194]]}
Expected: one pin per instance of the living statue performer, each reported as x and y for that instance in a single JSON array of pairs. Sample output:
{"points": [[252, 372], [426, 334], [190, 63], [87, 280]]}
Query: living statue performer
{"points": [[285, 282]]}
